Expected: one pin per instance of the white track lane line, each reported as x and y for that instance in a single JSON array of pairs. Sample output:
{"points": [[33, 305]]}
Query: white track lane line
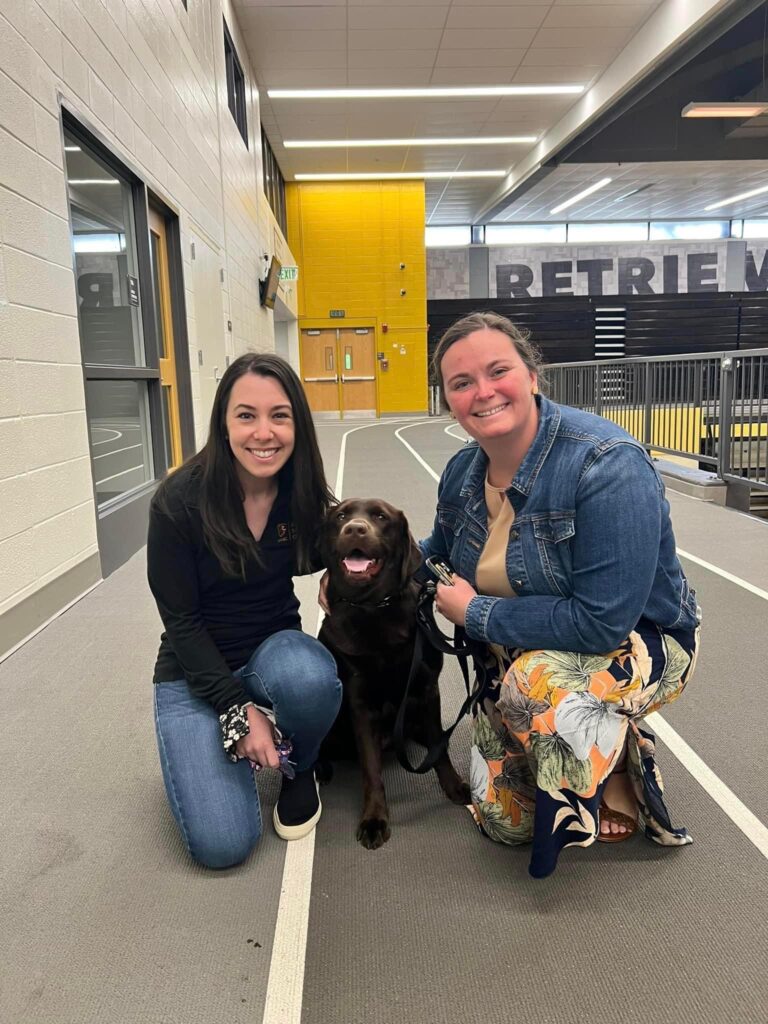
{"points": [[713, 786], [285, 985]]}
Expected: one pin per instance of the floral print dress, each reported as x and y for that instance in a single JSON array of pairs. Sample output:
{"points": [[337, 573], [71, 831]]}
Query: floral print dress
{"points": [[550, 727]]}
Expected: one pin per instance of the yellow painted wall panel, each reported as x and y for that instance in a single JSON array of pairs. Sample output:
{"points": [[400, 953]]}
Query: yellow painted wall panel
{"points": [[349, 241]]}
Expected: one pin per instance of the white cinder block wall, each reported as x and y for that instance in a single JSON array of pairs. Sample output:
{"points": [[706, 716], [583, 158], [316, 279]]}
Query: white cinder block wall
{"points": [[150, 78]]}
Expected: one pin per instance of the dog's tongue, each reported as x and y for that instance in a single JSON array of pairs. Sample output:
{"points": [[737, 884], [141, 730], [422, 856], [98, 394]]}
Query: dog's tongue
{"points": [[357, 564]]}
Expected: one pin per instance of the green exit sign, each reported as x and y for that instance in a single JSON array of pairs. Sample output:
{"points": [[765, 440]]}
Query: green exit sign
{"points": [[289, 273], [337, 314]]}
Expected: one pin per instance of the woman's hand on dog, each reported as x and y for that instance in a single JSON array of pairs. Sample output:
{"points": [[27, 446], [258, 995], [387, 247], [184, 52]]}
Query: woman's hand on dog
{"points": [[259, 745], [452, 601]]}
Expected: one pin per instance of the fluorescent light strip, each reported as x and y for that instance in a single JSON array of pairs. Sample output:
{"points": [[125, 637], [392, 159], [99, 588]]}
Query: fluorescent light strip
{"points": [[582, 195], [93, 181], [411, 175], [436, 93], [491, 140], [735, 199], [724, 109], [71, 149]]}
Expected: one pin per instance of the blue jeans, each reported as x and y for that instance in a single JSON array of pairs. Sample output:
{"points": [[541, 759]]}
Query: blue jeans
{"points": [[215, 802]]}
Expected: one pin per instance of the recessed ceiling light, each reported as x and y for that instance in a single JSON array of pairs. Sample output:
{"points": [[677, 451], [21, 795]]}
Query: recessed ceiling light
{"points": [[581, 195], [430, 93], [490, 140], [724, 109], [735, 199], [411, 175]]}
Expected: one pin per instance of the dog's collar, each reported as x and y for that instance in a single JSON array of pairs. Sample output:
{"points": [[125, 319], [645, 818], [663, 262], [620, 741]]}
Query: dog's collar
{"points": [[381, 604], [360, 604]]}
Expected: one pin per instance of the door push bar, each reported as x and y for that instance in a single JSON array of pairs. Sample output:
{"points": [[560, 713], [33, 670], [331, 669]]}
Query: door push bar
{"points": [[345, 378]]}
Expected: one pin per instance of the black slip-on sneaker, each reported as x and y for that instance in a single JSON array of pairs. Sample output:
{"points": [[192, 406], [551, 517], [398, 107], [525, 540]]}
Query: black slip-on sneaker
{"points": [[298, 807]]}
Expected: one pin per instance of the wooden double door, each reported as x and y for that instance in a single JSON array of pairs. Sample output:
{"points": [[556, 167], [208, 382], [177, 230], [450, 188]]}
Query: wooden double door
{"points": [[338, 370]]}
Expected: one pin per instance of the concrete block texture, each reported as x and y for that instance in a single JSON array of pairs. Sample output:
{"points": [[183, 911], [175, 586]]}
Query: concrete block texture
{"points": [[150, 80]]}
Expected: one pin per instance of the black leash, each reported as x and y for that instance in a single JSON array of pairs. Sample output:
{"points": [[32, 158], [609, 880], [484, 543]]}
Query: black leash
{"points": [[427, 631]]}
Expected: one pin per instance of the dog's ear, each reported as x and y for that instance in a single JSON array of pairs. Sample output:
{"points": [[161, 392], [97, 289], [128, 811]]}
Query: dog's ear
{"points": [[412, 556], [324, 536]]}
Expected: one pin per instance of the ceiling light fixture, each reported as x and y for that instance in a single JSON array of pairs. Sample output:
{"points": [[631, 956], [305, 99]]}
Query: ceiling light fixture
{"points": [[581, 195], [742, 110], [633, 192], [71, 149], [92, 181], [475, 92], [411, 175], [736, 199], [490, 140]]}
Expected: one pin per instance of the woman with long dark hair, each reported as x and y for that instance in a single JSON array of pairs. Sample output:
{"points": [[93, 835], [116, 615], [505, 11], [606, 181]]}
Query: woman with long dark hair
{"points": [[239, 687]]}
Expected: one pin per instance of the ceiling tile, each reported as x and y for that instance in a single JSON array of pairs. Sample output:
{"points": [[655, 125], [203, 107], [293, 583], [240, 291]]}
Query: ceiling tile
{"points": [[394, 39], [404, 19], [247, 5], [288, 19], [473, 76], [392, 58], [383, 77], [458, 39], [415, 3], [305, 78], [591, 54], [577, 75], [290, 42], [485, 58], [579, 15], [497, 17], [576, 38], [302, 59]]}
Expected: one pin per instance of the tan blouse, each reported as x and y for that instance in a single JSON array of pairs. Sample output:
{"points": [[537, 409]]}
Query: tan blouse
{"points": [[491, 573]]}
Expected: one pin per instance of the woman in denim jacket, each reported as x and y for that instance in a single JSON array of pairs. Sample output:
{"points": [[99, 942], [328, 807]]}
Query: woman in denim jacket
{"points": [[557, 527]]}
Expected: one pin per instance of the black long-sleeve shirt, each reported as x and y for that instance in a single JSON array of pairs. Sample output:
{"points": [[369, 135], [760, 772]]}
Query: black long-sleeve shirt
{"points": [[213, 622]]}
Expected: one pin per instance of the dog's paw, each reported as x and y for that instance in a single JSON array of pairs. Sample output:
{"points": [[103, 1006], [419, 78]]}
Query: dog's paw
{"points": [[459, 793], [373, 832]]}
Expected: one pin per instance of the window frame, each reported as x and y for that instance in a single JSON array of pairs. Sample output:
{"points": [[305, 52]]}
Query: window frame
{"points": [[236, 97], [273, 182]]}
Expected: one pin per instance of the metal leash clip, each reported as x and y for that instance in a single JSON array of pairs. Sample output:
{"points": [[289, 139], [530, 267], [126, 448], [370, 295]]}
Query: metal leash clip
{"points": [[441, 570]]}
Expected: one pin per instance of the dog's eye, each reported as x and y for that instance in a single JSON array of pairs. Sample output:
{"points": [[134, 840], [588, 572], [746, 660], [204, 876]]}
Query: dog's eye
{"points": [[341, 515], [380, 515]]}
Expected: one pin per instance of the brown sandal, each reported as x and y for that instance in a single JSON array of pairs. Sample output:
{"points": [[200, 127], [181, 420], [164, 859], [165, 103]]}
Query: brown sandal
{"points": [[615, 818], [608, 814]]}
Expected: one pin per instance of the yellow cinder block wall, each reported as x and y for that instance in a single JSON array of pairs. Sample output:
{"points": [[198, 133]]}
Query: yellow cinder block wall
{"points": [[349, 240]]}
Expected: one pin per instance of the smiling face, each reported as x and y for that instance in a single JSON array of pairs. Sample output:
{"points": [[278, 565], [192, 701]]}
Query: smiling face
{"points": [[364, 539], [489, 389], [260, 427]]}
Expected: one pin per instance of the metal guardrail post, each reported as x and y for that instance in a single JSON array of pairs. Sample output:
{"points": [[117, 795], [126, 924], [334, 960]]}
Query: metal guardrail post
{"points": [[598, 390], [648, 407], [726, 416]]}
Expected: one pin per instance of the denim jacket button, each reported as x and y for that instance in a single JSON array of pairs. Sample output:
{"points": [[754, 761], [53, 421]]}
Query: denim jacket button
{"points": [[514, 534], [517, 584]]}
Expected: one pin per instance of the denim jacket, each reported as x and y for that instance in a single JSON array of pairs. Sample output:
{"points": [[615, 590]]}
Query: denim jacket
{"points": [[591, 550]]}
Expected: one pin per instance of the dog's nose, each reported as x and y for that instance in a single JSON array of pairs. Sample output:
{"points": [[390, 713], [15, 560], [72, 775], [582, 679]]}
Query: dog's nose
{"points": [[356, 527]]}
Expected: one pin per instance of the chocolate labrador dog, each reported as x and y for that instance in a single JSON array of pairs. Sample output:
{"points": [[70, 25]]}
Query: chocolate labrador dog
{"points": [[371, 629]]}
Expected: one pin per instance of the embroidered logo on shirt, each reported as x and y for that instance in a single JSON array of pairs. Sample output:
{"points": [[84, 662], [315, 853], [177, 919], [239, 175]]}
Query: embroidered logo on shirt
{"points": [[286, 532]]}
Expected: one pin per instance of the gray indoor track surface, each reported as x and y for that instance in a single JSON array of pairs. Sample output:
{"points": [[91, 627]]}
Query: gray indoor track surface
{"points": [[104, 919]]}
